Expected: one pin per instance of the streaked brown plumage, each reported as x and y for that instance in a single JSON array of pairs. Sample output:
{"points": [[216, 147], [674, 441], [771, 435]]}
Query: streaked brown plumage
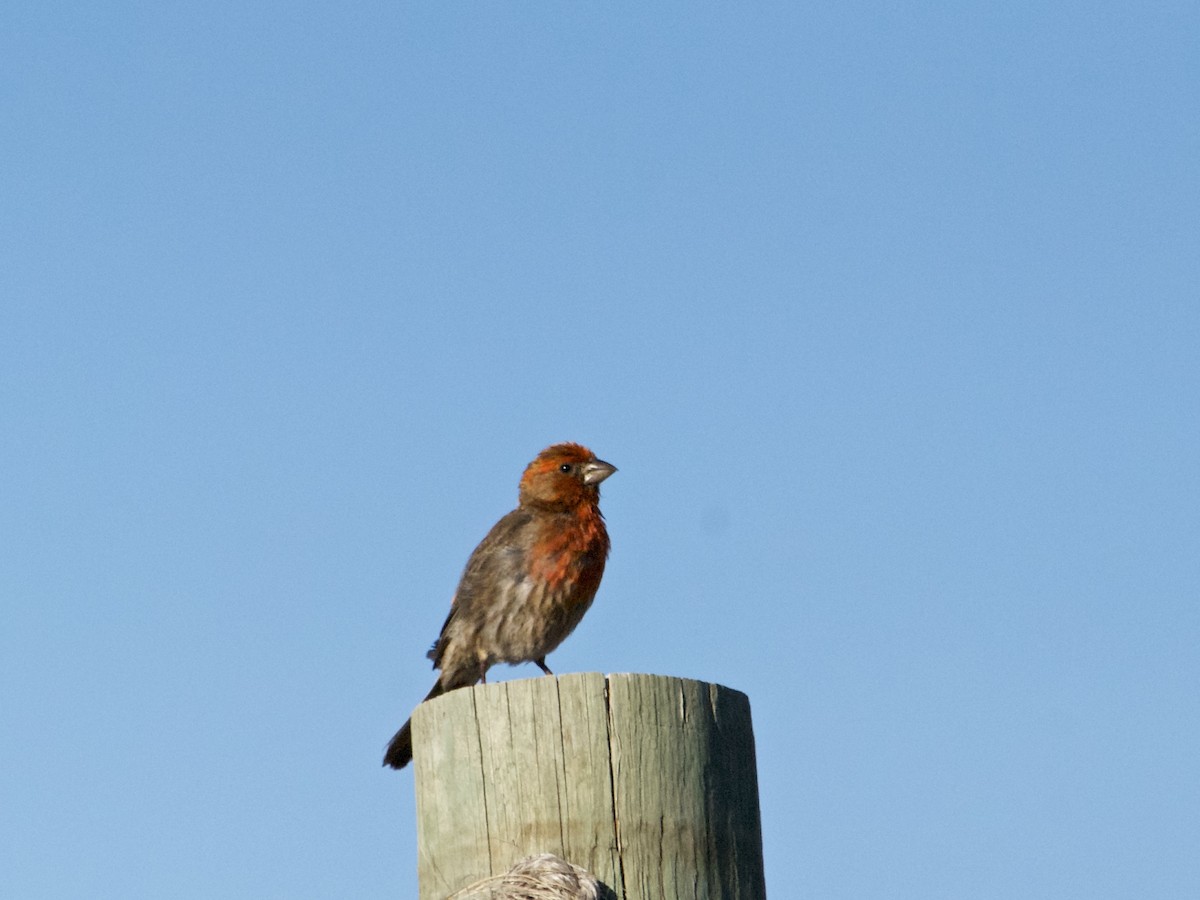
{"points": [[529, 582]]}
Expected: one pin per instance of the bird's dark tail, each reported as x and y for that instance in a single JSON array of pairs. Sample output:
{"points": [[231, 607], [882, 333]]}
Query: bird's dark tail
{"points": [[399, 749]]}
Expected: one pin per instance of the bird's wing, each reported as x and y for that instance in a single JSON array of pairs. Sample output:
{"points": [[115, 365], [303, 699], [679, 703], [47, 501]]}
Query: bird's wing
{"points": [[497, 564]]}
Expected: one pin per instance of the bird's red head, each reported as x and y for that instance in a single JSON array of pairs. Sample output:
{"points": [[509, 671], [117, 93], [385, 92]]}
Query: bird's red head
{"points": [[564, 476]]}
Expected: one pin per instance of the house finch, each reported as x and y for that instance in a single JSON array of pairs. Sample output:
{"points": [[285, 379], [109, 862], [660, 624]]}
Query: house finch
{"points": [[529, 582]]}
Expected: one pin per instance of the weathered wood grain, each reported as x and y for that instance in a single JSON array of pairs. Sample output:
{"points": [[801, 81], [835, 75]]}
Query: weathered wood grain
{"points": [[646, 781]]}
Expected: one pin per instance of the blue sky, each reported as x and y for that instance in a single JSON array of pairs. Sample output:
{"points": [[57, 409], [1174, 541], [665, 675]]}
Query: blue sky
{"points": [[888, 314]]}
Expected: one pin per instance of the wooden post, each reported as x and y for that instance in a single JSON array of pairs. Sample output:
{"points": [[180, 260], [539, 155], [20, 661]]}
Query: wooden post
{"points": [[648, 782]]}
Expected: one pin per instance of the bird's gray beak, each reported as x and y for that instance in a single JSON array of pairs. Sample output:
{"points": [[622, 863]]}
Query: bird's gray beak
{"points": [[596, 471]]}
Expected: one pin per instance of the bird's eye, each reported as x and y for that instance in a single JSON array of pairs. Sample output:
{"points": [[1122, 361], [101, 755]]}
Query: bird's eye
{"points": [[565, 468]]}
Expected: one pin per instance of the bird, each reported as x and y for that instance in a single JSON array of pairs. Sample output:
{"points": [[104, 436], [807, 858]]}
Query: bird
{"points": [[528, 583]]}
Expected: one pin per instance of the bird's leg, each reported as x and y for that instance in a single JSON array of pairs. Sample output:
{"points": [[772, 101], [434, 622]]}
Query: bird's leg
{"points": [[541, 664]]}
